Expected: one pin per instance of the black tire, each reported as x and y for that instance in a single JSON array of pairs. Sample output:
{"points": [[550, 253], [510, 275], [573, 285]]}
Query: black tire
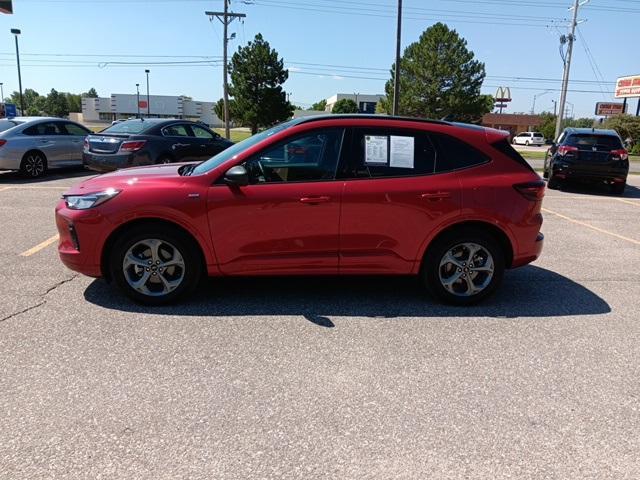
{"points": [[526, 143], [552, 182], [33, 164], [169, 237], [618, 188], [431, 269]]}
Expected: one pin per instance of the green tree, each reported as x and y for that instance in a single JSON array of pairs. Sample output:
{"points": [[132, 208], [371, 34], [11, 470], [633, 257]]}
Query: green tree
{"points": [[346, 105], [33, 102], [257, 76], [56, 104], [320, 106], [627, 126], [439, 77], [91, 93], [74, 101], [218, 109], [548, 125], [579, 122], [380, 108]]}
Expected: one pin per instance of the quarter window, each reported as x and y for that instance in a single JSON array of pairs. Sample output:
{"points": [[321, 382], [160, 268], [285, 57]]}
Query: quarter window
{"points": [[309, 157], [454, 154]]}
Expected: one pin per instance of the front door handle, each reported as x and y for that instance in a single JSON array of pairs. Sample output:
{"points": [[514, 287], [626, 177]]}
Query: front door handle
{"points": [[315, 200], [435, 196]]}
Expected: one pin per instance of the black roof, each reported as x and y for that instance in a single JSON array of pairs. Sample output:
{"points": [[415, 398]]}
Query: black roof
{"points": [[368, 116], [597, 131]]}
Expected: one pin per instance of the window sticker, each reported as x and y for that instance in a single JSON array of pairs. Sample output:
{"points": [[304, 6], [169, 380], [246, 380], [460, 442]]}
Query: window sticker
{"points": [[402, 152], [375, 150]]}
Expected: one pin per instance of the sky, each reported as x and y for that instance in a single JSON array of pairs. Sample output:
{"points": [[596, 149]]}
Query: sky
{"points": [[329, 46]]}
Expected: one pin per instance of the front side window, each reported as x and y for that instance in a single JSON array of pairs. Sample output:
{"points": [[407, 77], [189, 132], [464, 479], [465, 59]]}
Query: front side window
{"points": [[309, 157]]}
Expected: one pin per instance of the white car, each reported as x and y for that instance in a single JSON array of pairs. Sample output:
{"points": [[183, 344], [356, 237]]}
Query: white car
{"points": [[529, 138]]}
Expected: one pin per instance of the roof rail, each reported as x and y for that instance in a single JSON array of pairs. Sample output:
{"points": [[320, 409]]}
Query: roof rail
{"points": [[316, 118]]}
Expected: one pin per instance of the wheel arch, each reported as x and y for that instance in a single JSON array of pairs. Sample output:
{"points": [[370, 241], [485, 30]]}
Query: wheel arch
{"points": [[151, 222], [35, 150], [494, 230]]}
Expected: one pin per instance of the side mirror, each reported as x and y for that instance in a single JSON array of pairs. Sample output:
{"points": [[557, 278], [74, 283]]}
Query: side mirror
{"points": [[237, 176]]}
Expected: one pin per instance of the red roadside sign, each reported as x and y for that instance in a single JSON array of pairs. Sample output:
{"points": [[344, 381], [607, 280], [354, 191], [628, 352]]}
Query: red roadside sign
{"points": [[606, 109], [628, 87]]}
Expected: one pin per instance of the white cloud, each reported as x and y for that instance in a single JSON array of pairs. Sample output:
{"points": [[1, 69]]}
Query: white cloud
{"points": [[337, 77]]}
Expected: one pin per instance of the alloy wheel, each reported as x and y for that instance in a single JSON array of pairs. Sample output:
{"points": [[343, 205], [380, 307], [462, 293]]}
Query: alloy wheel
{"points": [[153, 267], [34, 165], [466, 269]]}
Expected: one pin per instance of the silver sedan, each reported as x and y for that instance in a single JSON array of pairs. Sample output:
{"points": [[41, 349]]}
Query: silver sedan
{"points": [[33, 145]]}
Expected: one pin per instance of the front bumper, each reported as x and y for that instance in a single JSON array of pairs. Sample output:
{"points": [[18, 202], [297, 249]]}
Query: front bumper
{"points": [[82, 235]]}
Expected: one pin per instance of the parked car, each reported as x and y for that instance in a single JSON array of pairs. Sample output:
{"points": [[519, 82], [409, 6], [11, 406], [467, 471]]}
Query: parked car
{"points": [[529, 138], [149, 141], [451, 203], [33, 145], [587, 154]]}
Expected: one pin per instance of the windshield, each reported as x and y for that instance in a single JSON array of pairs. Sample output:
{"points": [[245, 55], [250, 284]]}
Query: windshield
{"points": [[130, 126], [7, 124], [234, 150]]}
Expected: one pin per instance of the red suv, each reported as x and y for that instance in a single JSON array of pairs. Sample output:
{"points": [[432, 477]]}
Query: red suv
{"points": [[353, 195]]}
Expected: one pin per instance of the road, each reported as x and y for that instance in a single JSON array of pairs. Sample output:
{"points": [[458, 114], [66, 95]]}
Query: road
{"points": [[349, 378]]}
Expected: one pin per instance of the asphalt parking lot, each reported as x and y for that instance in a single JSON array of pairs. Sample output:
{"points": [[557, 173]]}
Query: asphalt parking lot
{"points": [[328, 378]]}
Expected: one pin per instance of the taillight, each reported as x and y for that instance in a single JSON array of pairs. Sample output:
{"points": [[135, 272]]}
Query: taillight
{"points": [[533, 191], [621, 154], [2, 142], [132, 146], [565, 150]]}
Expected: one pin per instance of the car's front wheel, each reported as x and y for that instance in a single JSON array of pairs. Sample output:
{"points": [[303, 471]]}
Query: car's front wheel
{"points": [[154, 265], [464, 267], [618, 188]]}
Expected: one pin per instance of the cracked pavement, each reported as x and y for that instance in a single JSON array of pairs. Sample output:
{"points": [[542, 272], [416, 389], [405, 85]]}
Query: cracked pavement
{"points": [[350, 378]]}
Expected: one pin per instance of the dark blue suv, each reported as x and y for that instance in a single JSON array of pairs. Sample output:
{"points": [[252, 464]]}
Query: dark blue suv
{"points": [[590, 155]]}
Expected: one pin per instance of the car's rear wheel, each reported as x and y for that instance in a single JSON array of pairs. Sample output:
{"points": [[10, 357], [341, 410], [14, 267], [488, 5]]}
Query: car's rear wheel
{"points": [[527, 143], [463, 267], [155, 265], [33, 165]]}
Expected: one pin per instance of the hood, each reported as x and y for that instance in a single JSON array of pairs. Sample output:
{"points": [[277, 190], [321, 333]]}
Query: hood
{"points": [[128, 178]]}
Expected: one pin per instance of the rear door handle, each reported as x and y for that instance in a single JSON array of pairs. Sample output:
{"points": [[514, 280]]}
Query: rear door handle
{"points": [[435, 196], [315, 200]]}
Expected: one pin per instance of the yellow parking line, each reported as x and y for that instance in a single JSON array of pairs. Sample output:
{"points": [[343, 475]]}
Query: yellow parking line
{"points": [[635, 204], [40, 246], [597, 229]]}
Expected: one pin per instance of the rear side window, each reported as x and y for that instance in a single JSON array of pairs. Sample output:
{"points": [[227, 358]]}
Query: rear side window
{"points": [[176, 131], [454, 154], [505, 147], [378, 152], [581, 140], [48, 128]]}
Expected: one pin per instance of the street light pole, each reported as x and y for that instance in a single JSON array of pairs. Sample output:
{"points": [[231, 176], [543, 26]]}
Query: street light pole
{"points": [[396, 77], [16, 32], [138, 98], [1, 92], [148, 100]]}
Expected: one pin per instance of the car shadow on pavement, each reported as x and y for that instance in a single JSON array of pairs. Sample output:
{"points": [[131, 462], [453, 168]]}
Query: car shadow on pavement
{"points": [[630, 191], [526, 292], [15, 178]]}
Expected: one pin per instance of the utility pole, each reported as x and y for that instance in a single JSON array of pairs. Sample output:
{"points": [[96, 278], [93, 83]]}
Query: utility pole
{"points": [[555, 107], [567, 65], [396, 78], [138, 98], [225, 18], [148, 97]]}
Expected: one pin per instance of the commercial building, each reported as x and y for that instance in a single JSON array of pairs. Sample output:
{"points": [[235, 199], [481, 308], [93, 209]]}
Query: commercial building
{"points": [[122, 105], [366, 103], [512, 122]]}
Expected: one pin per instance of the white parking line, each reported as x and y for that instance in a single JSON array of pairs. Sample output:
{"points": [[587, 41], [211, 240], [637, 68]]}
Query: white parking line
{"points": [[40, 246], [2, 189], [597, 229]]}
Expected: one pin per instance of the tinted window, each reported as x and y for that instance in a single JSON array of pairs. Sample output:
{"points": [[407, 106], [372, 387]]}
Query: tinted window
{"points": [[7, 124], [505, 147], [47, 128], [309, 157], [389, 153], [73, 129], [130, 126], [454, 154], [176, 131], [201, 132], [588, 141]]}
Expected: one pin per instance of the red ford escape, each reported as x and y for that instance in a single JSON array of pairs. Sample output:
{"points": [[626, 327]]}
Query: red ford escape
{"points": [[453, 204]]}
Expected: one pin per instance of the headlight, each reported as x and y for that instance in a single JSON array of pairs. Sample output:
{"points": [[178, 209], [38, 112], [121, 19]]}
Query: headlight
{"points": [[89, 200]]}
